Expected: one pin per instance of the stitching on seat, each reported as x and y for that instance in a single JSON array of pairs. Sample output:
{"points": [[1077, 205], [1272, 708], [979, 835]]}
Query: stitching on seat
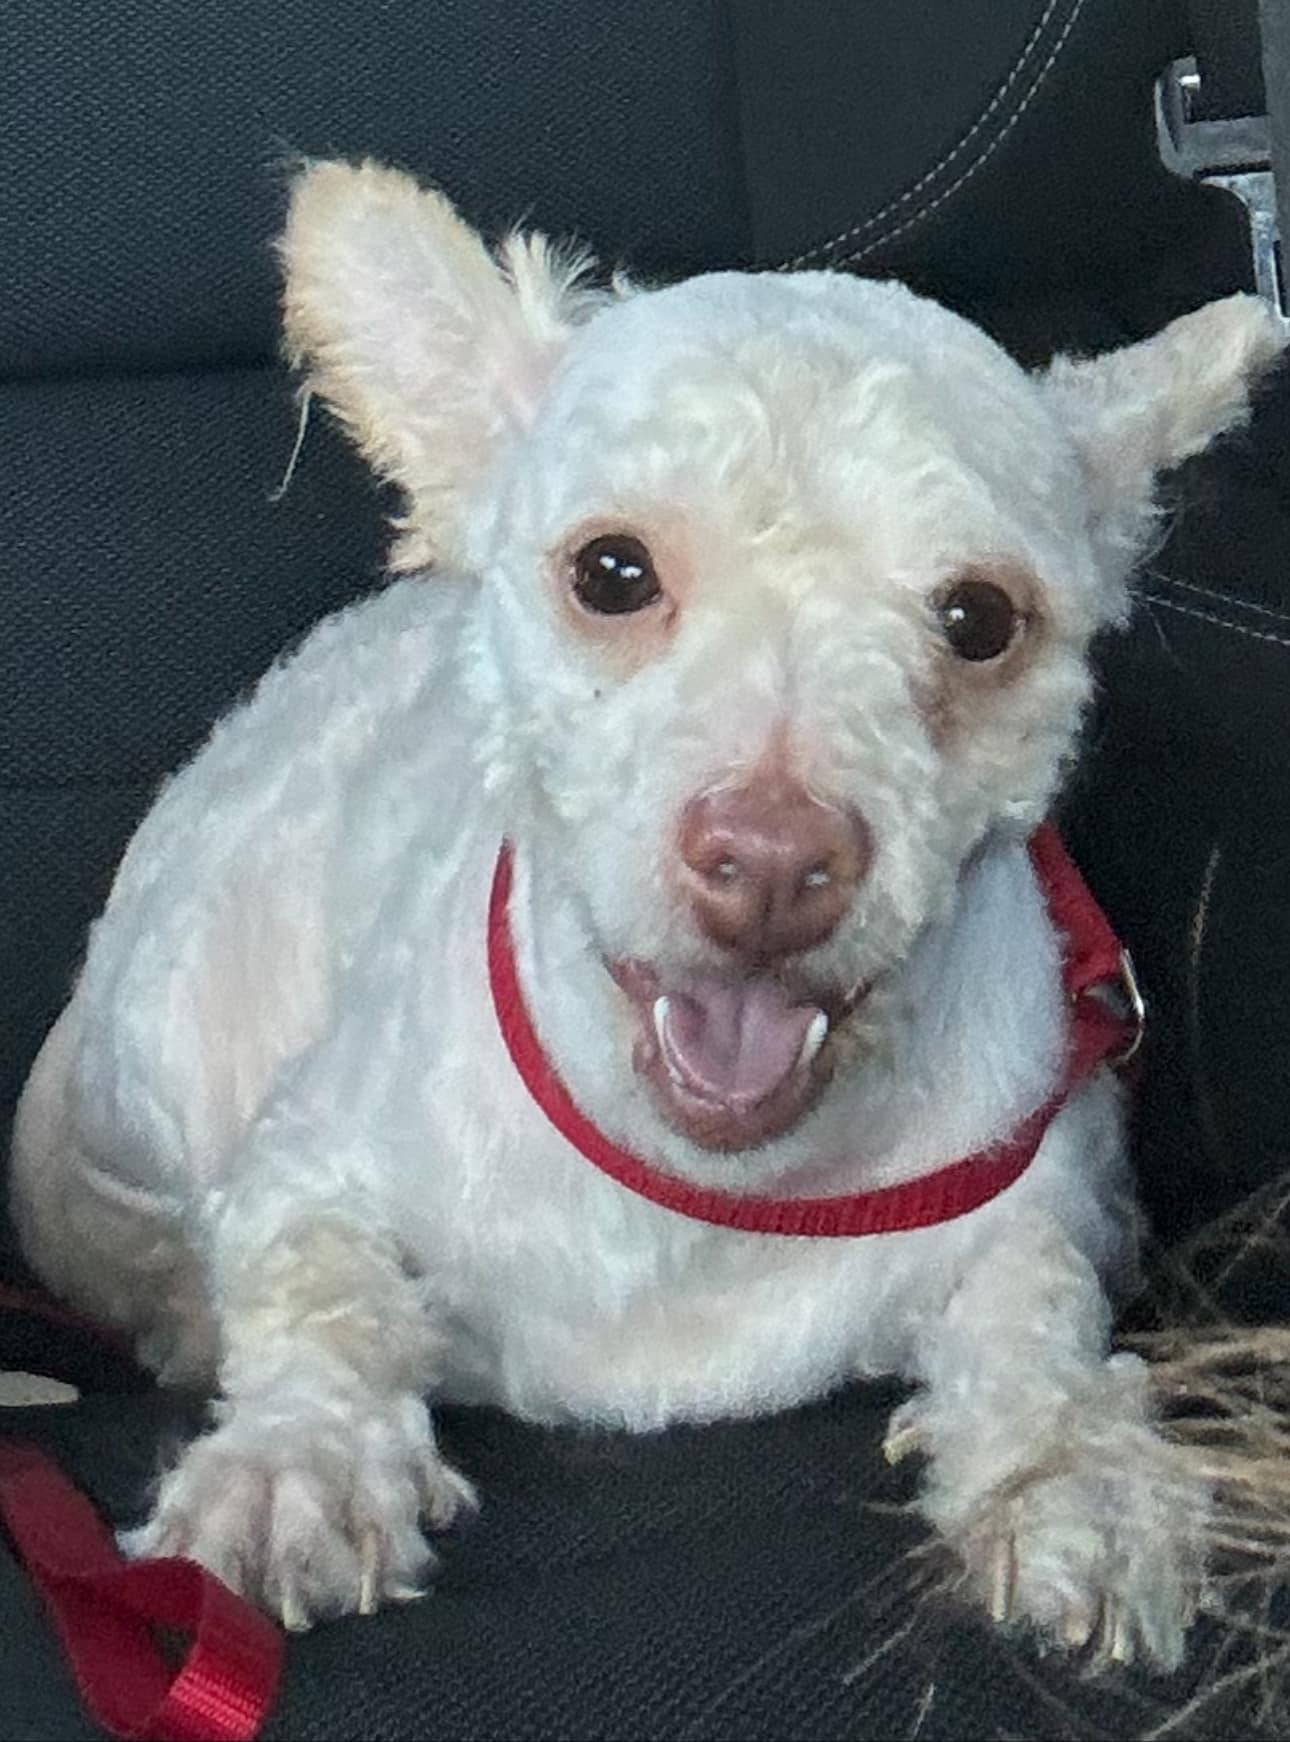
{"points": [[984, 156], [1225, 598], [1216, 620], [1000, 93]]}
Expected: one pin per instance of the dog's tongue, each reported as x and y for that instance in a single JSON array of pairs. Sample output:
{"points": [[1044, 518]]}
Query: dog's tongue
{"points": [[734, 1042]]}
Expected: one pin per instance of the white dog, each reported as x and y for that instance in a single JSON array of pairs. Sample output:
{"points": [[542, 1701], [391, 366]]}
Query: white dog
{"points": [[651, 858]]}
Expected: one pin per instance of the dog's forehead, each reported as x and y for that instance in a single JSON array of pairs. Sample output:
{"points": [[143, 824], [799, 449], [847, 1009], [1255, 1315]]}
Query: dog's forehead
{"points": [[829, 366], [829, 399], [791, 334]]}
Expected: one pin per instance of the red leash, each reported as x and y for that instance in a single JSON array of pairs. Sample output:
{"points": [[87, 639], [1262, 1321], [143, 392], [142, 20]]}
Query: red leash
{"points": [[105, 1609], [1092, 958], [53, 1312]]}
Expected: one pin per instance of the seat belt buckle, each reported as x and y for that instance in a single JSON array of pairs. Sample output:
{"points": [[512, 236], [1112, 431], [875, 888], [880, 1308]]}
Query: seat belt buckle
{"points": [[1235, 154]]}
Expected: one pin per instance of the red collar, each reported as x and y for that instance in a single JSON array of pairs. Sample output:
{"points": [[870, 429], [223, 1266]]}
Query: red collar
{"points": [[1092, 959]]}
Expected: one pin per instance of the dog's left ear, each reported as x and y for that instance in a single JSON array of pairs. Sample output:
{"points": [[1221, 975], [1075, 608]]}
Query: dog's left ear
{"points": [[431, 349], [1135, 413]]}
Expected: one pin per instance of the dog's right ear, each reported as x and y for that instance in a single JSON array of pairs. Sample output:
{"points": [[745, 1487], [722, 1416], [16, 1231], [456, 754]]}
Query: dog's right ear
{"points": [[429, 349]]}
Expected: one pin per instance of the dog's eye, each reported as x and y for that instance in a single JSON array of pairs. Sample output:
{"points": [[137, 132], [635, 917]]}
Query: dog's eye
{"points": [[614, 574], [978, 619]]}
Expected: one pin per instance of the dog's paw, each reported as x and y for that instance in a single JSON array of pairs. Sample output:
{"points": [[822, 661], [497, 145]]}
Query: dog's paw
{"points": [[1076, 1518], [1091, 1559], [312, 1515], [1097, 1545]]}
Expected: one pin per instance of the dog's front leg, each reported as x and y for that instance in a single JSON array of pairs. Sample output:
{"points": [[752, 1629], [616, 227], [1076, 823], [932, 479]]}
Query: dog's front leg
{"points": [[1045, 1472], [309, 1493]]}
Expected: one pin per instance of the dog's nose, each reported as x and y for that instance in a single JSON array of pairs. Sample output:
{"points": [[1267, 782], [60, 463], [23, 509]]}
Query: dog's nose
{"points": [[770, 870]]}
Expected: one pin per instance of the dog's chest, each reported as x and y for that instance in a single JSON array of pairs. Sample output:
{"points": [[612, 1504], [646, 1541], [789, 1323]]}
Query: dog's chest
{"points": [[603, 1317], [564, 1295]]}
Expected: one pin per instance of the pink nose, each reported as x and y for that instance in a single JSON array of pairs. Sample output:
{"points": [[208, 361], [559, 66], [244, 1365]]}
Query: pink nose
{"points": [[769, 870]]}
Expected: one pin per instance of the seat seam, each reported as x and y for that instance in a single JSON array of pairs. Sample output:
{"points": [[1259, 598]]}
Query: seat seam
{"points": [[983, 119], [1231, 599], [983, 158], [1215, 619]]}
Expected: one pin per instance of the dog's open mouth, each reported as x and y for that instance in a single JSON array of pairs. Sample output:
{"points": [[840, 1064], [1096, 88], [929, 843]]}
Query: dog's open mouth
{"points": [[733, 1061]]}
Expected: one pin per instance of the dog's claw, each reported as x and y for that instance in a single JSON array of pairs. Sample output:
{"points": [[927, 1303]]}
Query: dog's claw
{"points": [[368, 1594], [1003, 1579], [900, 1442], [445, 1492], [295, 1617], [1122, 1638], [1078, 1624], [1114, 1634]]}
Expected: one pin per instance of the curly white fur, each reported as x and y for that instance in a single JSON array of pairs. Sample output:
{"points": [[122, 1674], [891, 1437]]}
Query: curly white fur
{"points": [[276, 1133]]}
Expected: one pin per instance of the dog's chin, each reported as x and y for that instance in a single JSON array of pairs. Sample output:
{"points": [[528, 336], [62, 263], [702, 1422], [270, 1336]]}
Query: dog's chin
{"points": [[733, 1061]]}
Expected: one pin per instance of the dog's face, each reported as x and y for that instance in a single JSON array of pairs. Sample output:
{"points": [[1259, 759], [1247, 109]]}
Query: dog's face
{"points": [[787, 586]]}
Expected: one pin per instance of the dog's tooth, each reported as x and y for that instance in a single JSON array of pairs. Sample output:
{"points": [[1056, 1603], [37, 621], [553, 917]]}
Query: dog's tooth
{"points": [[814, 1039], [661, 1007]]}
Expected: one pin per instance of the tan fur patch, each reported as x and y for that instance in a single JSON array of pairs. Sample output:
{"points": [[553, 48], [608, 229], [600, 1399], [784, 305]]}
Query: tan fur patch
{"points": [[630, 640], [959, 690], [339, 1288]]}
